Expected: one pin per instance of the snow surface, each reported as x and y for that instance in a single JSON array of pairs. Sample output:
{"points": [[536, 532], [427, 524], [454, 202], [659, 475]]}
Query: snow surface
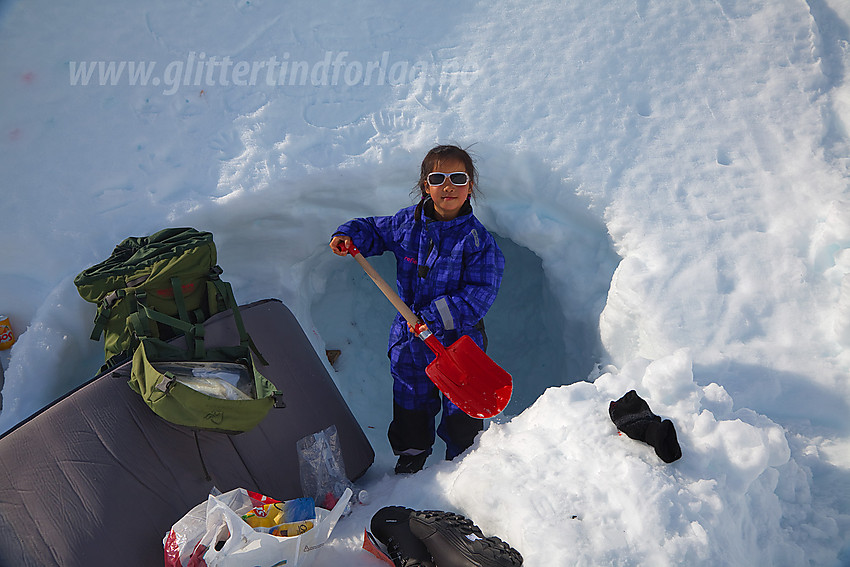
{"points": [[669, 181]]}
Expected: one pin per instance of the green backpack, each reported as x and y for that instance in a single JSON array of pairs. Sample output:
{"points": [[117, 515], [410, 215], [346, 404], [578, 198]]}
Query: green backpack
{"points": [[155, 288]]}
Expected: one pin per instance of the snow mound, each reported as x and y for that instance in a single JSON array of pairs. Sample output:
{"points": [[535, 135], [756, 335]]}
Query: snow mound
{"points": [[565, 474]]}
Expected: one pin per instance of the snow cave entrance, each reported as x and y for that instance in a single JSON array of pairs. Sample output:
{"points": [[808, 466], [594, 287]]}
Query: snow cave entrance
{"points": [[529, 334]]}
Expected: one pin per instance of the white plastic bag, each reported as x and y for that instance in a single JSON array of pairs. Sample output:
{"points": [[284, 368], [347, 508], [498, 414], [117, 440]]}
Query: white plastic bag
{"points": [[181, 542], [229, 541]]}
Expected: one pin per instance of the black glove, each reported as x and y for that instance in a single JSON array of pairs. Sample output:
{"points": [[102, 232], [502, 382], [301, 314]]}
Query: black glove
{"points": [[632, 416]]}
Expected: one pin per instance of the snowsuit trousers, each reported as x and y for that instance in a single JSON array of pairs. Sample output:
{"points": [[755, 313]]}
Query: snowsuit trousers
{"points": [[416, 403]]}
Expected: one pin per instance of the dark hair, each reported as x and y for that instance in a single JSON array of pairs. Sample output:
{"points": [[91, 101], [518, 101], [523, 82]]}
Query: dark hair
{"points": [[442, 153]]}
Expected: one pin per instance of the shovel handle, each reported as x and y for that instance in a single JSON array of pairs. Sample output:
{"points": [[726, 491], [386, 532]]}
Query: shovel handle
{"points": [[390, 293]]}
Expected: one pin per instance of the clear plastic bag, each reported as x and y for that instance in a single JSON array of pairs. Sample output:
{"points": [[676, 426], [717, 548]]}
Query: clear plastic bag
{"points": [[225, 380], [323, 475]]}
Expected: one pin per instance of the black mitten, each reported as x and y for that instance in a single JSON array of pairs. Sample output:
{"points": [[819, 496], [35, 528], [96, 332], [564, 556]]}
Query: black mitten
{"points": [[662, 436], [632, 416]]}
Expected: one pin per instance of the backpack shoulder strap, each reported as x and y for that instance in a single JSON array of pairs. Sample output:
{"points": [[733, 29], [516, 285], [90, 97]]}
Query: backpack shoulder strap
{"points": [[225, 294]]}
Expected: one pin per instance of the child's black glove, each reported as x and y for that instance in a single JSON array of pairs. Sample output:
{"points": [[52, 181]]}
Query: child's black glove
{"points": [[632, 416]]}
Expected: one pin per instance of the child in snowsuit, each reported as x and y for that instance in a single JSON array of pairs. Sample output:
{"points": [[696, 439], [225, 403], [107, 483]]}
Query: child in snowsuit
{"points": [[449, 269]]}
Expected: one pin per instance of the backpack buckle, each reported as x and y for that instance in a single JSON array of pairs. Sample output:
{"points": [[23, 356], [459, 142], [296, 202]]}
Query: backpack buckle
{"points": [[165, 382]]}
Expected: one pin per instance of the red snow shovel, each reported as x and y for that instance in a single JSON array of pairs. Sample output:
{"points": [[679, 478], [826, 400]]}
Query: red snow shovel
{"points": [[467, 376]]}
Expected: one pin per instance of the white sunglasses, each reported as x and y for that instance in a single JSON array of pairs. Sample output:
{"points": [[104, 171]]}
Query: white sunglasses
{"points": [[458, 178]]}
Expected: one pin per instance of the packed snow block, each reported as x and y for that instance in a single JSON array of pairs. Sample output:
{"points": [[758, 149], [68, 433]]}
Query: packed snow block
{"points": [[98, 479]]}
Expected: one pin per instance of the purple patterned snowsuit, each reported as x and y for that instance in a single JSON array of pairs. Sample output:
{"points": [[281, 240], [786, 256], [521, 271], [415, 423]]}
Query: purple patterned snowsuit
{"points": [[448, 272]]}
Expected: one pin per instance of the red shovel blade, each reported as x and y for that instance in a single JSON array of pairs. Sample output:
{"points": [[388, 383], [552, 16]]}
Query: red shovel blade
{"points": [[469, 378]]}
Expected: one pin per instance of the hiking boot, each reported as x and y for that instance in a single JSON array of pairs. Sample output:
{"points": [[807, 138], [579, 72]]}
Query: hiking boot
{"points": [[409, 464], [454, 541], [391, 526]]}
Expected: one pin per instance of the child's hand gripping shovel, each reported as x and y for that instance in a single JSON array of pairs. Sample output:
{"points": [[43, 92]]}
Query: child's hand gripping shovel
{"points": [[467, 376]]}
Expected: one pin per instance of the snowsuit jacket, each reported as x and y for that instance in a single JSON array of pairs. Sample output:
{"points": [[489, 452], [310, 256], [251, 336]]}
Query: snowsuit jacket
{"points": [[448, 272]]}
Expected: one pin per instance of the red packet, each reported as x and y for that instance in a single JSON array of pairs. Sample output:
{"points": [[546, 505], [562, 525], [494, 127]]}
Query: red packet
{"points": [[371, 545], [259, 500]]}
